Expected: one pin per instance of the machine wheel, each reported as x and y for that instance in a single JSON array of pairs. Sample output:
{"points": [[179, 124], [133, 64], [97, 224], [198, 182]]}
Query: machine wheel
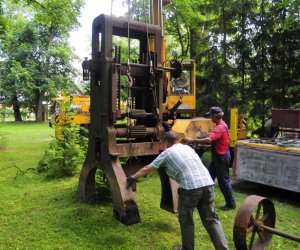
{"points": [[256, 211]]}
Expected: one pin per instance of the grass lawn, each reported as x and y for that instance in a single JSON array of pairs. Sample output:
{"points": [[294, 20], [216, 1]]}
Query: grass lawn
{"points": [[38, 213]]}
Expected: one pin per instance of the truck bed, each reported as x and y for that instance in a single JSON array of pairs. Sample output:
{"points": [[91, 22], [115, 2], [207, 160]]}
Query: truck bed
{"points": [[268, 164]]}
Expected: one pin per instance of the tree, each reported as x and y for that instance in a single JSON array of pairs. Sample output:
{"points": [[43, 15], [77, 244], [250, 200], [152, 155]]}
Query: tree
{"points": [[15, 76], [40, 46], [185, 23], [2, 21], [139, 10], [284, 51], [243, 48], [247, 55]]}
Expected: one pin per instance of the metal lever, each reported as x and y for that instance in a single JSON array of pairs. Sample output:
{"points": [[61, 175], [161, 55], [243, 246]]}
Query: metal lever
{"points": [[86, 69]]}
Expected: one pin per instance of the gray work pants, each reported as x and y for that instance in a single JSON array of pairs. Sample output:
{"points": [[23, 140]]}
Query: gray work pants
{"points": [[202, 199]]}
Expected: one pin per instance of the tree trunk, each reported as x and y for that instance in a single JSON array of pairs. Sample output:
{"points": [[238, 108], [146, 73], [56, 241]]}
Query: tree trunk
{"points": [[193, 44], [16, 107], [244, 44], [225, 71], [39, 97], [40, 94]]}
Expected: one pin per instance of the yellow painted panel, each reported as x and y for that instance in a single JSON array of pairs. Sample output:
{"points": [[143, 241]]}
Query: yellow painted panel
{"points": [[81, 119], [267, 146], [196, 127]]}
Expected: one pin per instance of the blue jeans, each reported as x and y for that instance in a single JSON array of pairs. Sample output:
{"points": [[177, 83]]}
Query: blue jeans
{"points": [[219, 168], [202, 199]]}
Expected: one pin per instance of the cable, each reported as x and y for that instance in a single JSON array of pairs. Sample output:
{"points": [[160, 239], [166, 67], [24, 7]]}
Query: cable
{"points": [[128, 31], [129, 83], [111, 7]]}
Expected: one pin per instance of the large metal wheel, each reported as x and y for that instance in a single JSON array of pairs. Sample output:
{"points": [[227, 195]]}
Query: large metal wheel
{"points": [[248, 231]]}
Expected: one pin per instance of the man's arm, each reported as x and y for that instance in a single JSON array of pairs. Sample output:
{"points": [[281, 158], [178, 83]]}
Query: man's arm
{"points": [[142, 172], [188, 140]]}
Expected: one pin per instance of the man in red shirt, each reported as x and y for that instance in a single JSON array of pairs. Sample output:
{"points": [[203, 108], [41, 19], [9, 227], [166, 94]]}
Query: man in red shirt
{"points": [[220, 155]]}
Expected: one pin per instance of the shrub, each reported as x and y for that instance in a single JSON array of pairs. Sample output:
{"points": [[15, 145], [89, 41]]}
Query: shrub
{"points": [[64, 155]]}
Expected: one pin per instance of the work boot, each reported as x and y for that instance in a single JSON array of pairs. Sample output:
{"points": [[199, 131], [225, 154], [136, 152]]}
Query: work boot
{"points": [[177, 248], [227, 208]]}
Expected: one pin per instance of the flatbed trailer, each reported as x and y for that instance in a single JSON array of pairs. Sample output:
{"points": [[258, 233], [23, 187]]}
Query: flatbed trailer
{"points": [[268, 164]]}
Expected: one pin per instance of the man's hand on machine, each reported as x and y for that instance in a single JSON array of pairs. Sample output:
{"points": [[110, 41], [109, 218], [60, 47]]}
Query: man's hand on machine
{"points": [[187, 140]]}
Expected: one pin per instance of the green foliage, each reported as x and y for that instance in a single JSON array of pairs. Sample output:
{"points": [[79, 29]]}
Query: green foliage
{"points": [[139, 10], [2, 22], [247, 53], [184, 23], [64, 155], [5, 113], [38, 58]]}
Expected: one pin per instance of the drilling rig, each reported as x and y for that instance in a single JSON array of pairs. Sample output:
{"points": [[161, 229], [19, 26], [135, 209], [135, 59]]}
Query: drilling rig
{"points": [[155, 94], [140, 142]]}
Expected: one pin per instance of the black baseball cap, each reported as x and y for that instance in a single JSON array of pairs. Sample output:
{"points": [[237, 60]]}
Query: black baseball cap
{"points": [[215, 111]]}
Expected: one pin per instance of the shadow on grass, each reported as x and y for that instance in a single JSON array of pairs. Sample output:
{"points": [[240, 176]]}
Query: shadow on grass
{"points": [[279, 194]]}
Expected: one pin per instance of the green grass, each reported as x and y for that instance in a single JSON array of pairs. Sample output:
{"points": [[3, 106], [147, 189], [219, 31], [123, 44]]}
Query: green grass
{"points": [[38, 213]]}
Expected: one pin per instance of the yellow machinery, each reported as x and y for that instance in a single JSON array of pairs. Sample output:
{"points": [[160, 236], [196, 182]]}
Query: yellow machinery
{"points": [[238, 129], [75, 109], [179, 84], [66, 109], [179, 104]]}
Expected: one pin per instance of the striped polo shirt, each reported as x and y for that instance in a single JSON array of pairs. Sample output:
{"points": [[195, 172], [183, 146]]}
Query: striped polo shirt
{"points": [[183, 165]]}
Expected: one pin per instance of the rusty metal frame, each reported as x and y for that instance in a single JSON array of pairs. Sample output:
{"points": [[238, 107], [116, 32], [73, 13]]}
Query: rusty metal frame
{"points": [[141, 142]]}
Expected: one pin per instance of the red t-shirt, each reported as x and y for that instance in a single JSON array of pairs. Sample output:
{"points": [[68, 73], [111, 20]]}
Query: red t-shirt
{"points": [[221, 138]]}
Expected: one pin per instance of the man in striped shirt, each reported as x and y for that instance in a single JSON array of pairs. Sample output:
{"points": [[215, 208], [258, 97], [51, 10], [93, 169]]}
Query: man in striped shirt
{"points": [[196, 190]]}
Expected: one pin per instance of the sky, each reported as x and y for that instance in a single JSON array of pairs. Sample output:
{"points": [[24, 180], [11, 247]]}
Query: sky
{"points": [[80, 39]]}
